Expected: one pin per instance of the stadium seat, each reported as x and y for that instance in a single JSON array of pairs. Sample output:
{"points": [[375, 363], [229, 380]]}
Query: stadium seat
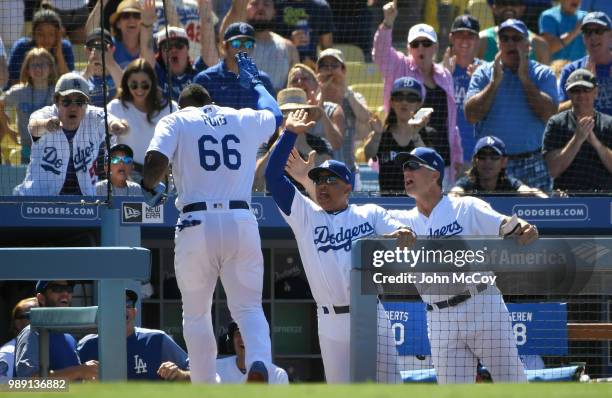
{"points": [[359, 73], [351, 52], [373, 93]]}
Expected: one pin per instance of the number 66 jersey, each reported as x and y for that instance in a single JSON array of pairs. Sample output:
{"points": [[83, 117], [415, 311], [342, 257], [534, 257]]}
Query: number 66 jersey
{"points": [[213, 151]]}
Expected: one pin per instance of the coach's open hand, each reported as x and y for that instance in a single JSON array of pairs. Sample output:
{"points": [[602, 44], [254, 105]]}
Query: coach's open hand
{"points": [[405, 237], [249, 74]]}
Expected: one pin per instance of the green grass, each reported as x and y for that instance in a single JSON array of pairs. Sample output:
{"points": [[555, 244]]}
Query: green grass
{"points": [[183, 390]]}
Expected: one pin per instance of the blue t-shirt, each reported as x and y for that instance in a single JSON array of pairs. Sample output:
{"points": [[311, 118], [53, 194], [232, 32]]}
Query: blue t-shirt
{"points": [[95, 90], [317, 14], [556, 23], [178, 82], [225, 89], [603, 102], [62, 352], [461, 82], [510, 118], [147, 349], [18, 54], [122, 55]]}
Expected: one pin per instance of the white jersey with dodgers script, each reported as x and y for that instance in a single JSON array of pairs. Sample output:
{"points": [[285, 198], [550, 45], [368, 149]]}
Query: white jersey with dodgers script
{"points": [[213, 151], [450, 217], [325, 241]]}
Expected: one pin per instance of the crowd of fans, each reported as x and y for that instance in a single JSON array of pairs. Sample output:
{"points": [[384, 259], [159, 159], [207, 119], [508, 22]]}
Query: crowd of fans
{"points": [[535, 77]]}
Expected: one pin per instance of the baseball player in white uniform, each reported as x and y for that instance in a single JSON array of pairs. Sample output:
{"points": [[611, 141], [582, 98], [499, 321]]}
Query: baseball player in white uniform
{"points": [[232, 369], [466, 322], [325, 232], [212, 150]]}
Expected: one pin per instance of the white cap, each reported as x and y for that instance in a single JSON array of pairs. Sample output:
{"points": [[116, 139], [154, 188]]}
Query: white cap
{"points": [[173, 33], [422, 30]]}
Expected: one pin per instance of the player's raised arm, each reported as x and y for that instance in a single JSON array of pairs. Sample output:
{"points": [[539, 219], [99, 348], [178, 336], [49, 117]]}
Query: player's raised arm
{"points": [[249, 78], [279, 185]]}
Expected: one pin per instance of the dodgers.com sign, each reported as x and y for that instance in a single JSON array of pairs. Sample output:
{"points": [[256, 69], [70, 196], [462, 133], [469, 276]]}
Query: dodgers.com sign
{"points": [[539, 328], [552, 212]]}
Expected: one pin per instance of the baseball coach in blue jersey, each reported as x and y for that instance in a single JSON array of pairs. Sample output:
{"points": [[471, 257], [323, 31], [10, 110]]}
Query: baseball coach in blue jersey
{"points": [[151, 353]]}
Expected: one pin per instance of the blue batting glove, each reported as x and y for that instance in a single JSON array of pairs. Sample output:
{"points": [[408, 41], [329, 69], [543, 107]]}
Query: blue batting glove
{"points": [[249, 74], [156, 196]]}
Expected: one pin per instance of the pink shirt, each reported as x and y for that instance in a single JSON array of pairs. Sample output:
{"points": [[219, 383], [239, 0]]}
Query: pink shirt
{"points": [[394, 64]]}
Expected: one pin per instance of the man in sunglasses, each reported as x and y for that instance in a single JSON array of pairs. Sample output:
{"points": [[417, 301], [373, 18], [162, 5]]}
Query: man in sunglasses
{"points": [[100, 44], [151, 353], [221, 80], [466, 321], [121, 166], [63, 359], [20, 318], [526, 90], [597, 38], [578, 142], [173, 60], [66, 137], [325, 228]]}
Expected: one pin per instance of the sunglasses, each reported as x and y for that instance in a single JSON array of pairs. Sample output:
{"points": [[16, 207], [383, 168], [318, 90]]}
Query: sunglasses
{"points": [[97, 46], [411, 98], [327, 180], [167, 45], [61, 288], [39, 65], [124, 159], [488, 156], [237, 43], [128, 15], [415, 165], [591, 32], [332, 65], [580, 90], [424, 43], [66, 102], [143, 85], [507, 38]]}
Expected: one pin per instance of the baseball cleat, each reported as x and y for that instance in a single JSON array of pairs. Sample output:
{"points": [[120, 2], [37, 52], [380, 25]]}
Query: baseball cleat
{"points": [[258, 373]]}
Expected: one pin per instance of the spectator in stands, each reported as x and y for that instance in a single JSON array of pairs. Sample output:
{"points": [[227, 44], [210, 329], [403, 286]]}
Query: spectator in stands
{"points": [[73, 14], [173, 58], [131, 27], [273, 53], [331, 74], [221, 80], [438, 82], [330, 118], [35, 90], [460, 60], [140, 103], [503, 10], [20, 318], [121, 166], [100, 44], [308, 24], [63, 359], [488, 172], [3, 64], [400, 133], [12, 21], [151, 353], [46, 33], [561, 26], [578, 141], [512, 98], [597, 38], [66, 137], [232, 369]]}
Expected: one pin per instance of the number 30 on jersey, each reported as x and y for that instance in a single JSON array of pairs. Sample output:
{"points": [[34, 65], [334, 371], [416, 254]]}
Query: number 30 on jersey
{"points": [[213, 152]]}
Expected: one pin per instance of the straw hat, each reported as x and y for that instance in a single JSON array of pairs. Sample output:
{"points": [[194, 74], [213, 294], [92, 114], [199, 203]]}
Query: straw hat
{"points": [[290, 99]]}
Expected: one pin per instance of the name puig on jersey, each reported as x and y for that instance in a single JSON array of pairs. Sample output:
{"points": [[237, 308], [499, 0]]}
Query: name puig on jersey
{"points": [[343, 239], [214, 121]]}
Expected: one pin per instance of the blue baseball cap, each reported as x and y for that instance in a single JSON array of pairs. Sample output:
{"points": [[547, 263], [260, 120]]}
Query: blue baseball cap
{"points": [[408, 84], [335, 167], [598, 18], [42, 285], [424, 155], [515, 24], [492, 142], [239, 29]]}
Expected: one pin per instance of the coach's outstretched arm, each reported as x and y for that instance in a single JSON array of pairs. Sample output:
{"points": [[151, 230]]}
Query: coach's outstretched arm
{"points": [[279, 185], [249, 78]]}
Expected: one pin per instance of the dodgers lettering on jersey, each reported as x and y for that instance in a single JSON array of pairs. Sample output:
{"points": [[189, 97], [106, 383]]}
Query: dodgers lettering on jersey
{"points": [[341, 240], [213, 151], [452, 216]]}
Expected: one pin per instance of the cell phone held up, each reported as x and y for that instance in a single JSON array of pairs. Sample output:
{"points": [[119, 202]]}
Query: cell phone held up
{"points": [[420, 116]]}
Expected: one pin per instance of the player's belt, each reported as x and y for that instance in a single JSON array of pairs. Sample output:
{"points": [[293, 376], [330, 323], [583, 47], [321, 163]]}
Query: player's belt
{"points": [[455, 300], [199, 206], [345, 309]]}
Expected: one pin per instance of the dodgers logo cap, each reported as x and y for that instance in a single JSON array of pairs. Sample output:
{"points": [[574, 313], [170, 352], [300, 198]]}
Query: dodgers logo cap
{"points": [[424, 155], [515, 24], [465, 23], [581, 78], [335, 167], [422, 30], [239, 29], [492, 142], [408, 84], [70, 83]]}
